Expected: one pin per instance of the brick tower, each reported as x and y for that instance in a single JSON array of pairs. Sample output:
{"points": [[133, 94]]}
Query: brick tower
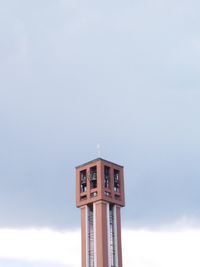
{"points": [[100, 195]]}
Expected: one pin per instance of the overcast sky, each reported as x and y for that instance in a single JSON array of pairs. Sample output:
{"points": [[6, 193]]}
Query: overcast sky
{"points": [[125, 75], [75, 74]]}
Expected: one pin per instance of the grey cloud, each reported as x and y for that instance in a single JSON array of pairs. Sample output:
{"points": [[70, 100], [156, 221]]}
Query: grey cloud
{"points": [[75, 74]]}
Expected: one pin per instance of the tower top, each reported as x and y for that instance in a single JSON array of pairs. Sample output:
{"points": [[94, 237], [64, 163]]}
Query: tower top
{"points": [[99, 179], [97, 159]]}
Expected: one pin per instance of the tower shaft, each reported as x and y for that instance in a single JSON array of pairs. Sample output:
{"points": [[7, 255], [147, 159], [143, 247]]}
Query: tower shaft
{"points": [[100, 198]]}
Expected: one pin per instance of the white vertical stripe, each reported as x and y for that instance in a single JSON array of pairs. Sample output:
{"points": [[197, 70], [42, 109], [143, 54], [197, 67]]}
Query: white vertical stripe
{"points": [[108, 232], [86, 232], [94, 229], [115, 234]]}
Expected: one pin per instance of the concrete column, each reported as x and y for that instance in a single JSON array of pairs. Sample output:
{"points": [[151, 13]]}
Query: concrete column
{"points": [[119, 243], [101, 234], [84, 239]]}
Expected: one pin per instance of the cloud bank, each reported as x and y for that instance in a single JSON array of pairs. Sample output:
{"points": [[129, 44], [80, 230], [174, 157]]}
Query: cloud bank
{"points": [[141, 248]]}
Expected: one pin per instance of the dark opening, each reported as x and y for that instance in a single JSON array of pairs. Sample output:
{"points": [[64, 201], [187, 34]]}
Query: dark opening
{"points": [[93, 177], [117, 197], [106, 177], [83, 181], [83, 197], [116, 181], [106, 193], [93, 194]]}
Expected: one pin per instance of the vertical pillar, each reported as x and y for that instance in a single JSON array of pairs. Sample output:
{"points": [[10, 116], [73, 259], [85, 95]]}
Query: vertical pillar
{"points": [[101, 234], [95, 233], [108, 234], [84, 228], [118, 235]]}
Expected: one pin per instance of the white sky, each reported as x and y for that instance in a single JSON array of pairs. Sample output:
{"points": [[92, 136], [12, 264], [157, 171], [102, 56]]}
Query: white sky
{"points": [[141, 248]]}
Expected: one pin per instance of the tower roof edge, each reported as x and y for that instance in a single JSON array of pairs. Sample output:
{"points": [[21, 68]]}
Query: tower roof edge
{"points": [[98, 159]]}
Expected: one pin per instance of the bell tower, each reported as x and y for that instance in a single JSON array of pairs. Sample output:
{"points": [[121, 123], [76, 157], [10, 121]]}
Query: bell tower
{"points": [[100, 195]]}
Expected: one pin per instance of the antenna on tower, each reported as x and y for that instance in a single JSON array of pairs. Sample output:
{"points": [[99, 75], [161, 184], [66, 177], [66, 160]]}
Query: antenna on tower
{"points": [[98, 150]]}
